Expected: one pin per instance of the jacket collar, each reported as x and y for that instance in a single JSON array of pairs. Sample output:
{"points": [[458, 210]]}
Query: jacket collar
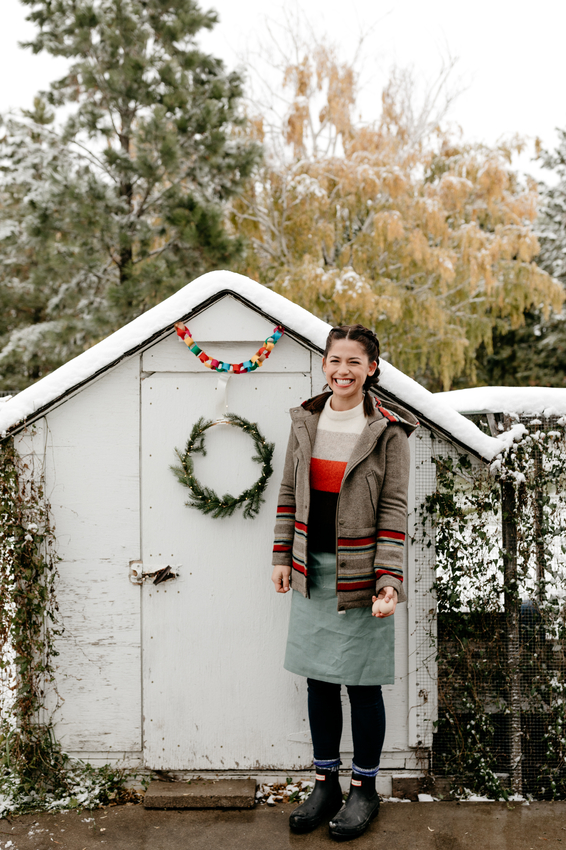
{"points": [[388, 412], [306, 422]]}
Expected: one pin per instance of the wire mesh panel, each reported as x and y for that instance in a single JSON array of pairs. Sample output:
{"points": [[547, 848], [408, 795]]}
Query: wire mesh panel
{"points": [[500, 626], [421, 603]]}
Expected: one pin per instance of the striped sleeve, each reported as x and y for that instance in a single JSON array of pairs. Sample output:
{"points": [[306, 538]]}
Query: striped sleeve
{"points": [[392, 515], [285, 519], [388, 562], [284, 531]]}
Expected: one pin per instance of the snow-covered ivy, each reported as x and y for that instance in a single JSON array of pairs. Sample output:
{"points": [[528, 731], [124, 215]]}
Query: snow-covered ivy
{"points": [[500, 540], [34, 771]]}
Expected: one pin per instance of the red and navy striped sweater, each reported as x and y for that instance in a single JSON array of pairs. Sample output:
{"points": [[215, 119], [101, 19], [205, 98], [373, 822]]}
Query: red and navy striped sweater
{"points": [[337, 434]]}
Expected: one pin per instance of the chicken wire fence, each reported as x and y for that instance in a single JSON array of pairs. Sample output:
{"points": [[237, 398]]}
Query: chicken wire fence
{"points": [[490, 586]]}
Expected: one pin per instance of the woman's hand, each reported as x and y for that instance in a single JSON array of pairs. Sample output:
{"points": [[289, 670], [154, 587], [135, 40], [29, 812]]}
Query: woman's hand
{"points": [[387, 594], [280, 578]]}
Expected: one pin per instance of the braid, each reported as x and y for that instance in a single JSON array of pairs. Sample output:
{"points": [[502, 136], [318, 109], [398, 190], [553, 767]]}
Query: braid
{"points": [[371, 380]]}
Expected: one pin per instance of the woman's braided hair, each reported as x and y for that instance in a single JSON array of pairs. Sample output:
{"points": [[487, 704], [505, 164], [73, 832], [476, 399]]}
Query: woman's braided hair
{"points": [[370, 344]]}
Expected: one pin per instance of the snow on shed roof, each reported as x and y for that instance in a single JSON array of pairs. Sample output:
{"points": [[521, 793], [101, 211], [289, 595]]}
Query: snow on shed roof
{"points": [[535, 401], [36, 399]]}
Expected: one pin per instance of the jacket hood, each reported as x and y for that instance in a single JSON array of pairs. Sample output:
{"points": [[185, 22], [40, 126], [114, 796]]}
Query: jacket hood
{"points": [[406, 419], [394, 413]]}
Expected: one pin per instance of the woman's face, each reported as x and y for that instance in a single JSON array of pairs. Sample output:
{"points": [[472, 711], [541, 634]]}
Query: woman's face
{"points": [[346, 367]]}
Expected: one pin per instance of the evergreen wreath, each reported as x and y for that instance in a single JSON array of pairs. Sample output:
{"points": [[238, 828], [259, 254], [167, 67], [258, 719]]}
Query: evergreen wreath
{"points": [[204, 498]]}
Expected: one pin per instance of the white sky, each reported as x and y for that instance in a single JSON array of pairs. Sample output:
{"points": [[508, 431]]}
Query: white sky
{"points": [[510, 55]]}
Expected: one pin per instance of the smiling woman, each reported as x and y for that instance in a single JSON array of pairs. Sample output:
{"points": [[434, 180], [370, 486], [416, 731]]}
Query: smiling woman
{"points": [[347, 368], [350, 364], [339, 542]]}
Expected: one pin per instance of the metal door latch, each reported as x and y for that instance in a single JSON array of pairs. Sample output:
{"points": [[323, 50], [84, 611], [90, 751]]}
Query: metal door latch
{"points": [[158, 574]]}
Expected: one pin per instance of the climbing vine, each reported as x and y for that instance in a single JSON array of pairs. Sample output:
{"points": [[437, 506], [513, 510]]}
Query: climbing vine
{"points": [[34, 771], [500, 536], [28, 621]]}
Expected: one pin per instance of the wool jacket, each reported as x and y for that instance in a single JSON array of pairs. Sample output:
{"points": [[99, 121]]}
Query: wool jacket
{"points": [[371, 515]]}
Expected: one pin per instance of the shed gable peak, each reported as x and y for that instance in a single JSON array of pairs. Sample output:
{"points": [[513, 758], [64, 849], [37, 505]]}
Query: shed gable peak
{"points": [[193, 299]]}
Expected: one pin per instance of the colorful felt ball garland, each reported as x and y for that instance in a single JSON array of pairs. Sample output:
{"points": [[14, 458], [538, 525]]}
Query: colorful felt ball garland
{"points": [[236, 368]]}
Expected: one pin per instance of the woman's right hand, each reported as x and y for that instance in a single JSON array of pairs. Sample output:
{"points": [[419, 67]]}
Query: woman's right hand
{"points": [[280, 578]]}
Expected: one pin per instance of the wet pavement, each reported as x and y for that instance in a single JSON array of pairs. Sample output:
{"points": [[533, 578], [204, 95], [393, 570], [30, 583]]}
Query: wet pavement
{"points": [[400, 826]]}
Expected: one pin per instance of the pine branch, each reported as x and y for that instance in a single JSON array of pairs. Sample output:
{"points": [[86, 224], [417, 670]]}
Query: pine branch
{"points": [[204, 498]]}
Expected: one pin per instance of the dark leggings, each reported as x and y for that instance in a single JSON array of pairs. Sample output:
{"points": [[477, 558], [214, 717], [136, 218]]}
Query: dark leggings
{"points": [[368, 724]]}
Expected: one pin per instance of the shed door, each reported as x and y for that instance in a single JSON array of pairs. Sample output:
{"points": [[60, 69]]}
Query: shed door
{"points": [[215, 694]]}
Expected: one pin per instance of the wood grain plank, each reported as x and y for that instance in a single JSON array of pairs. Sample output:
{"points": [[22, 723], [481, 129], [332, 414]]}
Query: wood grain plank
{"points": [[92, 480]]}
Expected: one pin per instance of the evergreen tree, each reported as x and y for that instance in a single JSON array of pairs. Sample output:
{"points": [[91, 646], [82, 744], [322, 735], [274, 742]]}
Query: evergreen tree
{"points": [[552, 218], [121, 204], [535, 353], [531, 355]]}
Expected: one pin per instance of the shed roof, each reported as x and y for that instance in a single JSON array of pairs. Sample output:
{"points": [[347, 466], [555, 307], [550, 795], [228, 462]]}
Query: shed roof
{"points": [[525, 401], [37, 399]]}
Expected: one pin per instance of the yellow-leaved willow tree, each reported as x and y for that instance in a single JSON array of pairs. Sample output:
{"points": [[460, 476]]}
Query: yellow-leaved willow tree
{"points": [[425, 239]]}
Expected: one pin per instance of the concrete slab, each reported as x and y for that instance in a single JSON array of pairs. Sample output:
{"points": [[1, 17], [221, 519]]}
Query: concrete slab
{"points": [[201, 794], [403, 826]]}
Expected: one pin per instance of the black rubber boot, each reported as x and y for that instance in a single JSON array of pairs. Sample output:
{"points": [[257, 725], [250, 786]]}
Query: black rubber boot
{"points": [[322, 804], [361, 808]]}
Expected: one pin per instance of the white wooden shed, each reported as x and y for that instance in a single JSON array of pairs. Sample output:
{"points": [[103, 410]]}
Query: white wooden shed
{"points": [[188, 675]]}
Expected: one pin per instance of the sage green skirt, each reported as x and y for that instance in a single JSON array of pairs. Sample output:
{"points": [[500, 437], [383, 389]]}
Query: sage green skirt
{"points": [[350, 648]]}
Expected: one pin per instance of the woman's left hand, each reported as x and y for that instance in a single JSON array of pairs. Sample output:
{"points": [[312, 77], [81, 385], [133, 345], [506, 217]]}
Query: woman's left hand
{"points": [[388, 595]]}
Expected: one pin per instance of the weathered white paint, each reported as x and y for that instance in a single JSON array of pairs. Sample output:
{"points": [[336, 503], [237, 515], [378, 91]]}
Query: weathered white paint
{"points": [[318, 380], [215, 695], [127, 759], [172, 355], [229, 320], [91, 458], [232, 333]]}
